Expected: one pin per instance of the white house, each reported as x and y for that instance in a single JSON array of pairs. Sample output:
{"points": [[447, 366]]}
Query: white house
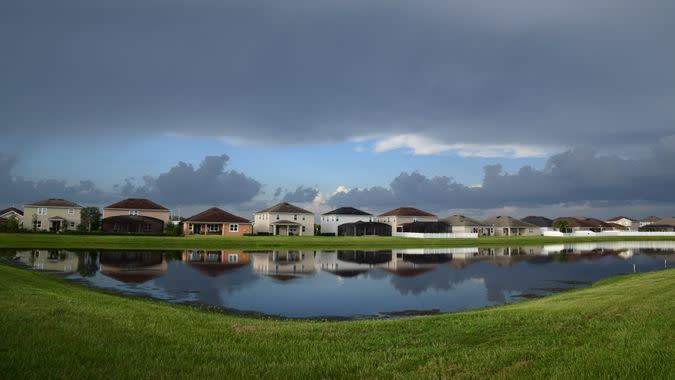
{"points": [[284, 219], [403, 215], [332, 219], [649, 220], [625, 221], [12, 212]]}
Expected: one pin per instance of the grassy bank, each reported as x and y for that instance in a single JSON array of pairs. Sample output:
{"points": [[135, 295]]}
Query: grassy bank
{"points": [[620, 328], [28, 240]]}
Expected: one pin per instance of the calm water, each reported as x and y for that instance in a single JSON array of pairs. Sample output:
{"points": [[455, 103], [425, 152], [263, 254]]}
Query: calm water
{"points": [[352, 283]]}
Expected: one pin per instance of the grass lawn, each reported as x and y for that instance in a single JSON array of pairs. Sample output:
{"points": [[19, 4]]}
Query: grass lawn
{"points": [[619, 328], [37, 240]]}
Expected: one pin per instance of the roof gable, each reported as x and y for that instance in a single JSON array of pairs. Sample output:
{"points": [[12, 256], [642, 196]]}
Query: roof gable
{"points": [[507, 221], [407, 211], [285, 207], [347, 211], [11, 209], [54, 202], [216, 215], [461, 220], [137, 204]]}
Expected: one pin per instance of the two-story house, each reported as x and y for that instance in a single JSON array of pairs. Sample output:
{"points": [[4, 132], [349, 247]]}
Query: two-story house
{"points": [[331, 220], [284, 219], [404, 215], [134, 215], [52, 214]]}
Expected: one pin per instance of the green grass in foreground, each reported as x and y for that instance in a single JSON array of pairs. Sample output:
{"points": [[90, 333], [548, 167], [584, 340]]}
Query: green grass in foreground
{"points": [[620, 328], [28, 240]]}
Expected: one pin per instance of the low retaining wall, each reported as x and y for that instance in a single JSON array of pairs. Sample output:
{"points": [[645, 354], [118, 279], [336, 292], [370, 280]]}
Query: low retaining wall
{"points": [[607, 233], [435, 236]]}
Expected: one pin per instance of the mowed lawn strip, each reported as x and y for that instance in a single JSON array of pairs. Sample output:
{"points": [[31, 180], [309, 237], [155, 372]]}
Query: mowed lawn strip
{"points": [[41, 240], [619, 328]]}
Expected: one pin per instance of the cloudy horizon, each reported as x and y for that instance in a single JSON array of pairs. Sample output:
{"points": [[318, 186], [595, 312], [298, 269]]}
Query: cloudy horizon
{"points": [[553, 108]]}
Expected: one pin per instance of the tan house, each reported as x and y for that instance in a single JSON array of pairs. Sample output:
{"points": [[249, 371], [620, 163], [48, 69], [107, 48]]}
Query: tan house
{"points": [[12, 212], [629, 223], [52, 214], [284, 219], [405, 215], [135, 215], [215, 221], [464, 224], [503, 225]]}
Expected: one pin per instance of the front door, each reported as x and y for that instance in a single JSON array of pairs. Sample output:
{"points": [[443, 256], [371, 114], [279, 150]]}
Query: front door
{"points": [[56, 226], [196, 229]]}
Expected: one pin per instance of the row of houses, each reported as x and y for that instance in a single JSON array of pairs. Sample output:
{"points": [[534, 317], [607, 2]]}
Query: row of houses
{"points": [[137, 215]]}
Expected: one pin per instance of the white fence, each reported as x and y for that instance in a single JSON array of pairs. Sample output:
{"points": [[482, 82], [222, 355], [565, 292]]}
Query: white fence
{"points": [[436, 236], [607, 233]]}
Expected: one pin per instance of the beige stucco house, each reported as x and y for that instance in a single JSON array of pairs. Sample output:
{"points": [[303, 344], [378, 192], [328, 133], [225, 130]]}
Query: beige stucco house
{"points": [[503, 225], [464, 224], [403, 215], [215, 221], [284, 219], [52, 214], [134, 215]]}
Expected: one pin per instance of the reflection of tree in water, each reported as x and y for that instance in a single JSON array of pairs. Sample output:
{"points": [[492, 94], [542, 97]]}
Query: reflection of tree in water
{"points": [[87, 264], [365, 257]]}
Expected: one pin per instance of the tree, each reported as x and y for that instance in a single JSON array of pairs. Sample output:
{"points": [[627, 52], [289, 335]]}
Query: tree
{"points": [[173, 229], [91, 218], [10, 224], [562, 225]]}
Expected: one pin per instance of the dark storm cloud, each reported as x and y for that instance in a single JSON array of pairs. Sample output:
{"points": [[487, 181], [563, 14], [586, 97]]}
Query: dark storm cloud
{"points": [[16, 190], [210, 183], [575, 176], [301, 195], [518, 72]]}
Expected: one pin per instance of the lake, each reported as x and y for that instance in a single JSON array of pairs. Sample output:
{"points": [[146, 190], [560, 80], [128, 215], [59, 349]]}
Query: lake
{"points": [[348, 283]]}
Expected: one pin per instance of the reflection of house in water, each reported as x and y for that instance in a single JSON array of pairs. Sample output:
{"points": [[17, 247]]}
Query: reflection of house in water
{"points": [[215, 263], [49, 260], [409, 265], [284, 265], [133, 267], [349, 263], [502, 256]]}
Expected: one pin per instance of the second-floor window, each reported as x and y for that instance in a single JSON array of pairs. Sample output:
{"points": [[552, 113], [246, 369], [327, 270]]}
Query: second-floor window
{"points": [[71, 211], [295, 217], [133, 212], [42, 211]]}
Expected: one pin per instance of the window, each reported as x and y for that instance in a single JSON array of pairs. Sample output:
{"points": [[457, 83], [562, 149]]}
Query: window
{"points": [[213, 228], [303, 218], [42, 211], [72, 224], [277, 216], [234, 228], [147, 227], [303, 228], [414, 220], [295, 217], [37, 224], [133, 212], [232, 258], [192, 227], [71, 211]]}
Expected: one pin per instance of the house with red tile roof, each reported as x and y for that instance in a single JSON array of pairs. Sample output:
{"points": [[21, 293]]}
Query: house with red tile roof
{"points": [[215, 221]]}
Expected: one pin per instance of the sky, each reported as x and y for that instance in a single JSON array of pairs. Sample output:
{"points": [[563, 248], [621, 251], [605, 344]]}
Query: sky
{"points": [[525, 107]]}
